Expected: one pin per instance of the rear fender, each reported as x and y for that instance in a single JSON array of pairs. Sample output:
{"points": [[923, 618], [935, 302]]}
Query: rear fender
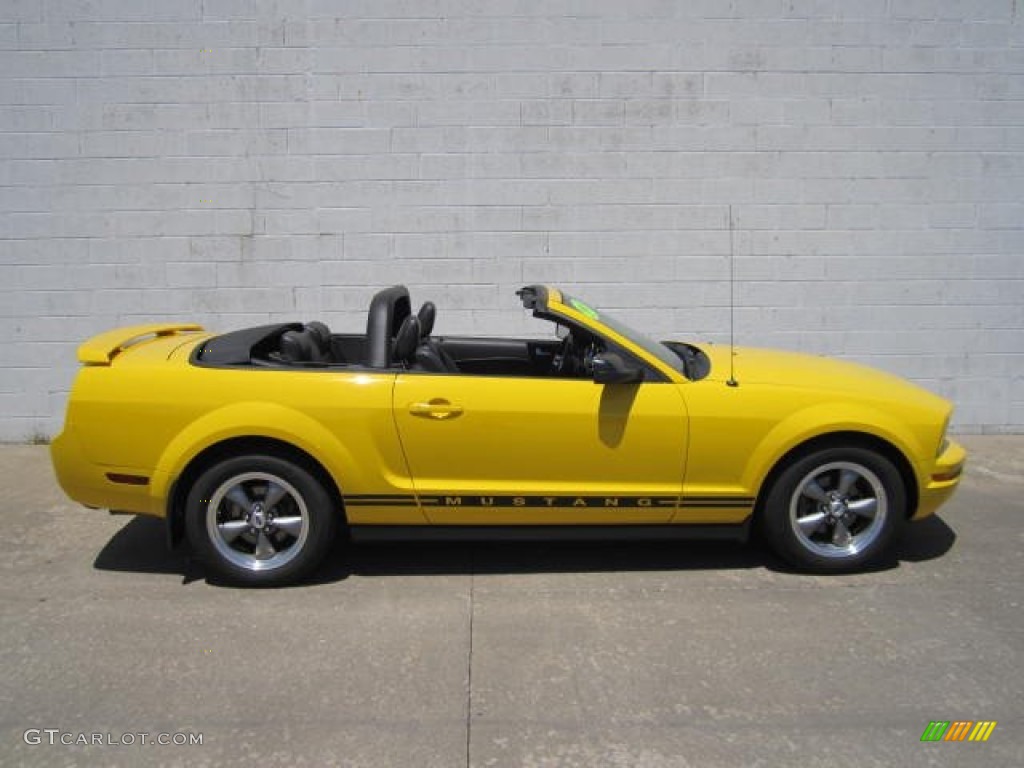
{"points": [[252, 419]]}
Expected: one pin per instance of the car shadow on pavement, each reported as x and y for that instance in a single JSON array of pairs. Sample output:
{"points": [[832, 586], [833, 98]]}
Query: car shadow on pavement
{"points": [[927, 539], [141, 547]]}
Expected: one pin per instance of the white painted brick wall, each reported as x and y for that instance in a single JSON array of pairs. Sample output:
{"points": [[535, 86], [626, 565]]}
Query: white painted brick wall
{"points": [[238, 161]]}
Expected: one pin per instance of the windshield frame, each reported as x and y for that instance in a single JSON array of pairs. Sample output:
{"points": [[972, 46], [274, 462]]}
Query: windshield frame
{"points": [[653, 348], [563, 307]]}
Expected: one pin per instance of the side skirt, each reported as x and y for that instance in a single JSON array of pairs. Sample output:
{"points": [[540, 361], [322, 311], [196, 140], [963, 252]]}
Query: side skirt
{"points": [[547, 532]]}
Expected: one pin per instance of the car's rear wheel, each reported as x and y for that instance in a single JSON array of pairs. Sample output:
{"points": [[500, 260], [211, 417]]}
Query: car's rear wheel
{"points": [[260, 520], [835, 510]]}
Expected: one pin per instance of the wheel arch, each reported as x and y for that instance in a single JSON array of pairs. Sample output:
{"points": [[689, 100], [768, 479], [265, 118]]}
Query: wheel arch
{"points": [[237, 446], [841, 439]]}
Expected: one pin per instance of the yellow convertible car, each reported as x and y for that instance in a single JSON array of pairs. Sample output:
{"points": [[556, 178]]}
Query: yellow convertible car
{"points": [[261, 444]]}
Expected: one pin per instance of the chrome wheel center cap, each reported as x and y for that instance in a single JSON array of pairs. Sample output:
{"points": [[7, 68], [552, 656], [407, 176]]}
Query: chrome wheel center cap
{"points": [[258, 516], [835, 508]]}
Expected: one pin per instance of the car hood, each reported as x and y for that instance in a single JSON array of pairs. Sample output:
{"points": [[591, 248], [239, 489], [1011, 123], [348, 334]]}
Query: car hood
{"points": [[792, 369]]}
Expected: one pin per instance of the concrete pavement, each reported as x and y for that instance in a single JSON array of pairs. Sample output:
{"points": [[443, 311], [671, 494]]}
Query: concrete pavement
{"points": [[692, 654]]}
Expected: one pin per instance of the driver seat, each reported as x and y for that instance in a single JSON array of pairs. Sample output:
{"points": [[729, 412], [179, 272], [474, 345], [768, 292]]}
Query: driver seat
{"points": [[430, 355]]}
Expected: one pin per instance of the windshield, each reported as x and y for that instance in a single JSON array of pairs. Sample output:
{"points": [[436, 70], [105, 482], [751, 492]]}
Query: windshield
{"points": [[654, 348]]}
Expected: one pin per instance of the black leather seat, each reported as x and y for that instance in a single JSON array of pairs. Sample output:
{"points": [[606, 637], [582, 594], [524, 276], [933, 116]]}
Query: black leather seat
{"points": [[321, 336], [430, 355], [298, 347], [403, 350], [427, 315], [310, 345]]}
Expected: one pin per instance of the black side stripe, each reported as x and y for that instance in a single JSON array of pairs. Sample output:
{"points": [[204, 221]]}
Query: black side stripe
{"points": [[717, 501], [381, 500], [548, 500]]}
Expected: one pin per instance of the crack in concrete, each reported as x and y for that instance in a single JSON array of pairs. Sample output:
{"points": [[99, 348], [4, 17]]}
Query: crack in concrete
{"points": [[469, 661]]}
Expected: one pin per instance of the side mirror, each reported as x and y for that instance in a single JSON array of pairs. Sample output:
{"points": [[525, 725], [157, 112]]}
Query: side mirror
{"points": [[610, 368]]}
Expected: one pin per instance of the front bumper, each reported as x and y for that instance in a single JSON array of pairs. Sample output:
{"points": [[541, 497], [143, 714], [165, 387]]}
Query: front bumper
{"points": [[942, 479]]}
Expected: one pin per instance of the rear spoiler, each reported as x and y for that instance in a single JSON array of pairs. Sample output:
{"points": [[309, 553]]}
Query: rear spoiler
{"points": [[101, 349]]}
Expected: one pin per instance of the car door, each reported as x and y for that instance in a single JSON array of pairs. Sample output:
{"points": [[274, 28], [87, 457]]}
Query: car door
{"points": [[486, 450]]}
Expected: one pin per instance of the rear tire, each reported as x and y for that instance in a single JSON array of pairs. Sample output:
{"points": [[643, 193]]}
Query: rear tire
{"points": [[835, 510], [260, 520]]}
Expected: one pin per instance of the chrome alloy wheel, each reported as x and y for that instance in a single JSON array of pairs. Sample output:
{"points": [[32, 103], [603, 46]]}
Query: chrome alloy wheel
{"points": [[838, 509], [257, 521]]}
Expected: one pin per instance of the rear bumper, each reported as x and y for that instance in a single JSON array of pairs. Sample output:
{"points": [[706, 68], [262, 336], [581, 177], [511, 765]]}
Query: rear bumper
{"points": [[125, 489], [942, 480]]}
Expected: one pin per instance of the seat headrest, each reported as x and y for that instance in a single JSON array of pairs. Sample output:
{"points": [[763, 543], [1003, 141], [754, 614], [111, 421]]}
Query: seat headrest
{"points": [[427, 315], [406, 341]]}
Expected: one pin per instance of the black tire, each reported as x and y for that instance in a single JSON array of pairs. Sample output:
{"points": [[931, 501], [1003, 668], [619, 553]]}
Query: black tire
{"points": [[260, 520], [850, 502]]}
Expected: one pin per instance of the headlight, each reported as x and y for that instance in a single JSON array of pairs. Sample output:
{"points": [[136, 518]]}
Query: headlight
{"points": [[943, 440]]}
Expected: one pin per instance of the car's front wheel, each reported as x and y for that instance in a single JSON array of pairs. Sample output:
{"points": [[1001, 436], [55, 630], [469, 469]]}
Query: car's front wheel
{"points": [[835, 510], [259, 520]]}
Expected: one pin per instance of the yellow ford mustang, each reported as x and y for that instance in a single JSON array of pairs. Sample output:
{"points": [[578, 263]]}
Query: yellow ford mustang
{"points": [[260, 444]]}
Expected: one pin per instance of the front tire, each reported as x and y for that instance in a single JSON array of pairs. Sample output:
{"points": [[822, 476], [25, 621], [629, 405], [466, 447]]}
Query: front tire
{"points": [[260, 520], [835, 510]]}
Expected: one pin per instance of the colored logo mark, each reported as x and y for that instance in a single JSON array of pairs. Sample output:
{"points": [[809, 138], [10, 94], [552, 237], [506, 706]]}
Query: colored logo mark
{"points": [[584, 309], [958, 730]]}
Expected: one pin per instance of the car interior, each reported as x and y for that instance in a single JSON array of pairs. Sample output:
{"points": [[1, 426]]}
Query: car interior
{"points": [[397, 337]]}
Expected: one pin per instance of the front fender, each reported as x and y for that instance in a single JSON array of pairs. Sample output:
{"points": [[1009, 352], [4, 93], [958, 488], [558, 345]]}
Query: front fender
{"points": [[824, 419]]}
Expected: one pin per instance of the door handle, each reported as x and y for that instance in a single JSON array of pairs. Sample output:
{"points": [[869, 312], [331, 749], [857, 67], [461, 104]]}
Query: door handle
{"points": [[438, 408]]}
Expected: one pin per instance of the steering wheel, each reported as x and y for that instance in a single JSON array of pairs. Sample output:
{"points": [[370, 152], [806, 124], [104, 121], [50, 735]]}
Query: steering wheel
{"points": [[591, 351], [562, 364]]}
